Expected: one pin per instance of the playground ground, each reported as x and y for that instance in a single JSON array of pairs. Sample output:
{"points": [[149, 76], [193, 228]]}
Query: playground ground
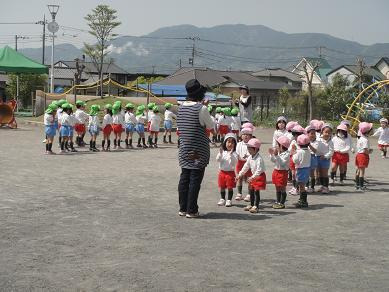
{"points": [[108, 222]]}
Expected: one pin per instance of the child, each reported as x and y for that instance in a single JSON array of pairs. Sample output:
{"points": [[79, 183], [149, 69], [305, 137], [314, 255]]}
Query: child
{"points": [[168, 123], [107, 127], [314, 142], [209, 131], [227, 159], [117, 124], [218, 114], [130, 122], [289, 126], [280, 130], [155, 122], [280, 158], [348, 125], [383, 139], [342, 147], [83, 119], [257, 181], [60, 103], [235, 121], [140, 126], [65, 127], [50, 128], [150, 107], [243, 154], [72, 123], [224, 123], [296, 131], [324, 152], [362, 157], [93, 126], [302, 160]]}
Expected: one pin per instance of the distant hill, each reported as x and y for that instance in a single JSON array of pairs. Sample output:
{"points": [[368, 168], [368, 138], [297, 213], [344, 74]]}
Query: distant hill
{"points": [[219, 48]]}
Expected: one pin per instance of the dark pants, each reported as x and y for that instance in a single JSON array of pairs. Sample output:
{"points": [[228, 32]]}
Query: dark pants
{"points": [[189, 188]]}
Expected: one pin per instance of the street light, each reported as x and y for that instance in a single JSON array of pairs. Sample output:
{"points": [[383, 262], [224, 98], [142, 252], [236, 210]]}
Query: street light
{"points": [[53, 28]]}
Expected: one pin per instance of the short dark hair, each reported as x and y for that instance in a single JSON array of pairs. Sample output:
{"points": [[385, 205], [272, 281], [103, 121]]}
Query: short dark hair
{"points": [[225, 142]]}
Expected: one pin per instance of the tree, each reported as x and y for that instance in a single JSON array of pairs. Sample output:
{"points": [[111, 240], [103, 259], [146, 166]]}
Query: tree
{"points": [[27, 83], [102, 21], [283, 97]]}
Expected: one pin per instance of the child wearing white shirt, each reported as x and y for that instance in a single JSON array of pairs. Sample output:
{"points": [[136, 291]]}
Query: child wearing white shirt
{"points": [[117, 124], [362, 158], [107, 127], [235, 121], [324, 152], [140, 125], [280, 130], [383, 139], [50, 129], [93, 126], [130, 122], [155, 122], [227, 159], [168, 123], [243, 154], [80, 126], [342, 147]]}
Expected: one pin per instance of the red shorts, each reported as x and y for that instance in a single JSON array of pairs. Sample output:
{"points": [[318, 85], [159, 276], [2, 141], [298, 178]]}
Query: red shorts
{"points": [[362, 160], [259, 183], [107, 130], [340, 158], [291, 164], [59, 126], [154, 132], [148, 126], [382, 147], [223, 129], [117, 128], [208, 132], [226, 179], [239, 167], [80, 128], [280, 178]]}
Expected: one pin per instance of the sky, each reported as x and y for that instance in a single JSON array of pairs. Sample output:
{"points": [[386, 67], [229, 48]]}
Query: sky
{"points": [[363, 21]]}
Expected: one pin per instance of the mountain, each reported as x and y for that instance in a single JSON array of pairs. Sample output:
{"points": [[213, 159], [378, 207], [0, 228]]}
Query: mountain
{"points": [[238, 47]]}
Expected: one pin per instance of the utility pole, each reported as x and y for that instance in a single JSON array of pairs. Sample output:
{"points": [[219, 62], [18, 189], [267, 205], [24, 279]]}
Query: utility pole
{"points": [[53, 28], [180, 64], [192, 60], [17, 75], [320, 54], [43, 23], [361, 70]]}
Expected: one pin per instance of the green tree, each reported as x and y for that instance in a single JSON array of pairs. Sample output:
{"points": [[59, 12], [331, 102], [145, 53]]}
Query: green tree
{"points": [[102, 21], [283, 97], [27, 83]]}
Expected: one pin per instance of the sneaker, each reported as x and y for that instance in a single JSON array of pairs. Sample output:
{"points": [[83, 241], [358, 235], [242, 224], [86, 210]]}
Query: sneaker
{"points": [[247, 198], [275, 205], [341, 183], [73, 150], [44, 142], [247, 208], [228, 203], [221, 202], [239, 197], [301, 204], [138, 146], [47, 152], [278, 206], [145, 147], [62, 151], [52, 153], [325, 190], [310, 190], [333, 181], [293, 192], [321, 189], [254, 209], [181, 214], [193, 215]]}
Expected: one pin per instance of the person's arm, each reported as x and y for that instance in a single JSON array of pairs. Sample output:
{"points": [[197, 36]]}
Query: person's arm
{"points": [[330, 151], [258, 168], [347, 148], [247, 103], [245, 168], [205, 118], [377, 132]]}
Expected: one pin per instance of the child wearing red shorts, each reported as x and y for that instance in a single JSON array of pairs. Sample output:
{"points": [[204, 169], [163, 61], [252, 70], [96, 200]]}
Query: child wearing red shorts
{"points": [[280, 157], [383, 137], [224, 123], [243, 154], [257, 181], [362, 157], [80, 126], [297, 130], [107, 127], [342, 147], [227, 159], [117, 124]]}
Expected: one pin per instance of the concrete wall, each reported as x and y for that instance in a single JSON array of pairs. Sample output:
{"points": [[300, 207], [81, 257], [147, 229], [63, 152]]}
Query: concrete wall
{"points": [[344, 73]]}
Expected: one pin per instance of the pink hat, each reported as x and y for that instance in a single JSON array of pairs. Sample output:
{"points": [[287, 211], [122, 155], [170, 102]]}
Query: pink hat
{"points": [[290, 125], [247, 131], [364, 128], [248, 125], [342, 127], [346, 122], [310, 128], [284, 141], [254, 143], [298, 129], [313, 122], [303, 140]]}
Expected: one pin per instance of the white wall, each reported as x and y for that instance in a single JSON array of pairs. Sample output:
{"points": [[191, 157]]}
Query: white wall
{"points": [[384, 68], [345, 74]]}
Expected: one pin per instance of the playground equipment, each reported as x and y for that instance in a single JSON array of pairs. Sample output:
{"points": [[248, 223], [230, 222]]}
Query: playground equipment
{"points": [[7, 117], [359, 106]]}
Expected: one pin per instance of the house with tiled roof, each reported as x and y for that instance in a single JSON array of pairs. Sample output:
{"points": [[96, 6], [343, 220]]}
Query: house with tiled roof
{"points": [[319, 78], [383, 66], [350, 72]]}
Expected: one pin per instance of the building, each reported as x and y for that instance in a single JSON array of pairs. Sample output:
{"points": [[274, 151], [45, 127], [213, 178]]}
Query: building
{"points": [[351, 72], [279, 75], [383, 66], [319, 77]]}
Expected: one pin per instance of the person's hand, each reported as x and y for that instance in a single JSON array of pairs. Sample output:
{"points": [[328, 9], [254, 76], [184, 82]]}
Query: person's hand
{"points": [[237, 178], [275, 151], [271, 151], [245, 156], [294, 147], [322, 157], [193, 155], [221, 150]]}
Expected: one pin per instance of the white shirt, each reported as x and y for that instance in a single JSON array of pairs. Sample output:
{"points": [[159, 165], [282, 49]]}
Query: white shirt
{"points": [[217, 116], [129, 118], [255, 164], [65, 119], [241, 150], [342, 145], [107, 120], [293, 142], [169, 115], [59, 114], [155, 122], [48, 120], [235, 123], [93, 121], [225, 121], [314, 144], [118, 119], [325, 148], [362, 144], [302, 158], [141, 119], [277, 134], [82, 116], [227, 161], [289, 135], [73, 120], [383, 138], [281, 161], [204, 116]]}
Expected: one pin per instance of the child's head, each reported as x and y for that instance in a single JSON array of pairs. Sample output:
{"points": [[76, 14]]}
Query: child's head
{"points": [[168, 105], [303, 141], [281, 123], [155, 109], [140, 110], [283, 143], [229, 142], [364, 128], [218, 110], [311, 132], [244, 90], [246, 134], [50, 110], [326, 131], [253, 146], [151, 105], [384, 122], [290, 125], [116, 108], [342, 131], [297, 131], [347, 123], [235, 112], [108, 109], [80, 104], [227, 111], [130, 107], [94, 109]]}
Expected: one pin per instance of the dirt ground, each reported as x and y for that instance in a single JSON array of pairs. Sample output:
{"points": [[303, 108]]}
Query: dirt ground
{"points": [[108, 222]]}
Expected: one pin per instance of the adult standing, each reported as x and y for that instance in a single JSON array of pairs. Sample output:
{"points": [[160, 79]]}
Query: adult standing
{"points": [[245, 105], [193, 155]]}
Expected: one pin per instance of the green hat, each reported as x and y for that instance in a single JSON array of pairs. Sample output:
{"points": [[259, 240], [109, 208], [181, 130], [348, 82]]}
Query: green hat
{"points": [[49, 110], [155, 109], [151, 105], [218, 109], [70, 106], [141, 108], [168, 105], [130, 105], [108, 106], [53, 105], [80, 102], [210, 108], [115, 108], [94, 109], [65, 105], [61, 102], [234, 111], [227, 111]]}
